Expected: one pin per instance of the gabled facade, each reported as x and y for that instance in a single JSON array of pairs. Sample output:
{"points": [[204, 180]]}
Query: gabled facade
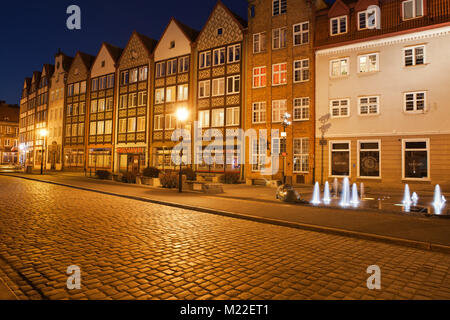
{"points": [[132, 107], [101, 111], [280, 65], [77, 87], [9, 133], [220, 91], [173, 74], [382, 112], [26, 122], [33, 149], [56, 112]]}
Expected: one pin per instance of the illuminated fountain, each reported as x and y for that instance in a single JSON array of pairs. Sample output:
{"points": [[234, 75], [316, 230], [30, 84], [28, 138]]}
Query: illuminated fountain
{"points": [[345, 195], [355, 199], [407, 196], [414, 199], [439, 200], [326, 193], [316, 195]]}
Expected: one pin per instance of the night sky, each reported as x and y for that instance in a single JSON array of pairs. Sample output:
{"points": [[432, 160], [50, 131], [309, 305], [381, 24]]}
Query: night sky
{"points": [[32, 31]]}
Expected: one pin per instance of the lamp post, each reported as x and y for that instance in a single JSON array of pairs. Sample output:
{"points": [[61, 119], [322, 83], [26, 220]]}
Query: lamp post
{"points": [[286, 123], [43, 134], [182, 115]]}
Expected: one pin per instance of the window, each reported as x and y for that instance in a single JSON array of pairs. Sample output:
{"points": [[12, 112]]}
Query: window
{"points": [[101, 105], [233, 84], [134, 75], [159, 95], [100, 127], [259, 77], [232, 116], [217, 117], [369, 105], [69, 130], [363, 17], [70, 90], [259, 112], [131, 124], [258, 150], [142, 98], [219, 56], [171, 67], [74, 130], [340, 158], [81, 129], [76, 88], [367, 63], [218, 87], [203, 118], [301, 155], [369, 159], [279, 7], [108, 126], [82, 107], [122, 125], [183, 64], [204, 89], [339, 67], [279, 74], [412, 9], [415, 101], [93, 106], [171, 94], [301, 109], [415, 158], [301, 70], [278, 110], [82, 87], [259, 42], [340, 108], [123, 101], [160, 69], [338, 25], [205, 59], [183, 92], [102, 83], [172, 45], [414, 55], [234, 53], [109, 104], [279, 38], [301, 33], [143, 73], [111, 81], [132, 100], [141, 124], [219, 31], [171, 121], [123, 78], [158, 122]]}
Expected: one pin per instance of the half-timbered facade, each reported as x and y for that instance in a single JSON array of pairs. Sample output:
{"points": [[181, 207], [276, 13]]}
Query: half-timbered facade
{"points": [[220, 48], [172, 88], [75, 112], [101, 110], [132, 107]]}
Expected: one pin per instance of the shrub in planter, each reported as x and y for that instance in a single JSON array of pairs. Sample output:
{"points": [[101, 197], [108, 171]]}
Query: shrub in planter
{"points": [[103, 174], [169, 180], [230, 177], [151, 172], [129, 177], [189, 173]]}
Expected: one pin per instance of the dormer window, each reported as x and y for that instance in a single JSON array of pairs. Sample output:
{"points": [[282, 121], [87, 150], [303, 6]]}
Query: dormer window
{"points": [[367, 19], [412, 9], [172, 44], [279, 7], [338, 25]]}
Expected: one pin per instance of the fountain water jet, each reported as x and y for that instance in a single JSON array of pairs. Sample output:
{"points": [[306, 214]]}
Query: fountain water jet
{"points": [[407, 196], [326, 193], [355, 199], [439, 200], [316, 194], [414, 199], [345, 195]]}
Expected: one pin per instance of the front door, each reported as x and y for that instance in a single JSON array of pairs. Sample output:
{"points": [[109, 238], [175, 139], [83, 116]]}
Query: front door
{"points": [[133, 163]]}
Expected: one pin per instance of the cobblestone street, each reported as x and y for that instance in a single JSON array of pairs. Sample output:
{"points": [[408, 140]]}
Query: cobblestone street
{"points": [[128, 249]]}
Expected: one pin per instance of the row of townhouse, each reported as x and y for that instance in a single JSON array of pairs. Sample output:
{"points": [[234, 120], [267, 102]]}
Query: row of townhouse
{"points": [[9, 133], [365, 89]]}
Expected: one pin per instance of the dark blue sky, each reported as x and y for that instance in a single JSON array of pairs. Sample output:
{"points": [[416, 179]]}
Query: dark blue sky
{"points": [[32, 31]]}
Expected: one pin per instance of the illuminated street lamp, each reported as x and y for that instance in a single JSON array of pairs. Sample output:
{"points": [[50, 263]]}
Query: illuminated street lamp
{"points": [[182, 116], [43, 133], [286, 123]]}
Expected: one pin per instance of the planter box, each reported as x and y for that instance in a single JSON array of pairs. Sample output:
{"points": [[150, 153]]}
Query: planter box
{"points": [[154, 182]]}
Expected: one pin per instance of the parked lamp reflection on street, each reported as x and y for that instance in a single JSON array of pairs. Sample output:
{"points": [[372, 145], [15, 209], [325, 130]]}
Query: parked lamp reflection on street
{"points": [[182, 116], [43, 133]]}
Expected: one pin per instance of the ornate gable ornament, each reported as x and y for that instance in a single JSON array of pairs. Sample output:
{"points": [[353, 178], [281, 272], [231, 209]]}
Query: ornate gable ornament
{"points": [[338, 9]]}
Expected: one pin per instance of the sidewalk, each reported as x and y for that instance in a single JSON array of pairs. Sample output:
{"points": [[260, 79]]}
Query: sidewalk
{"points": [[427, 233]]}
